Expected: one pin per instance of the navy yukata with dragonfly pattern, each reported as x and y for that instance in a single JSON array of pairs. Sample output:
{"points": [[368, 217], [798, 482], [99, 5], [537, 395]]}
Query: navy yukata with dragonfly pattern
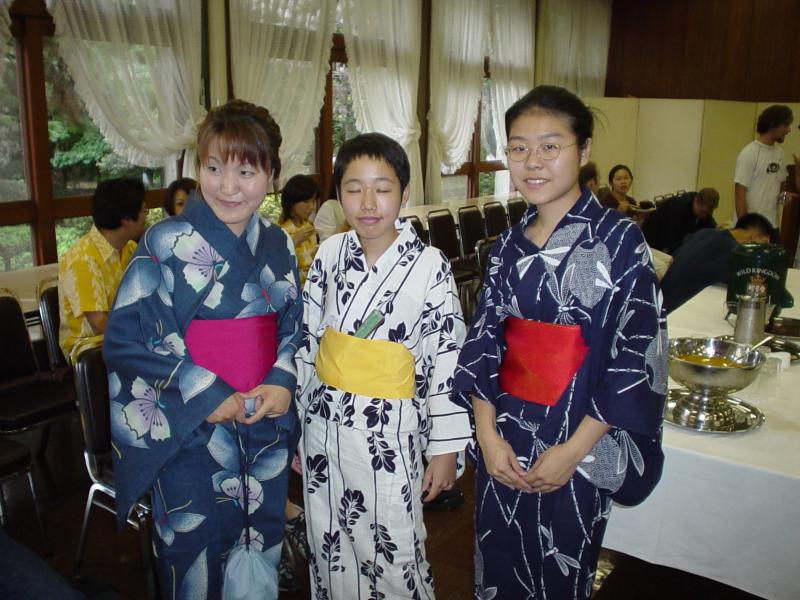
{"points": [[595, 272]]}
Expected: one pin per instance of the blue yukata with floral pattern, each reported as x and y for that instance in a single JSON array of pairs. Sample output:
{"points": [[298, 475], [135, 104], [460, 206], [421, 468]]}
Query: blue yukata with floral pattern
{"points": [[187, 268], [594, 271]]}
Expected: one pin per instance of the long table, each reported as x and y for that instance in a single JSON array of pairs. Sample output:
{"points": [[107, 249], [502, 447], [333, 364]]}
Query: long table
{"points": [[728, 505]]}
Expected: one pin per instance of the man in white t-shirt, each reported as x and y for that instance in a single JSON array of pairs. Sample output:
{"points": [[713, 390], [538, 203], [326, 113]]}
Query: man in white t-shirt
{"points": [[760, 169]]}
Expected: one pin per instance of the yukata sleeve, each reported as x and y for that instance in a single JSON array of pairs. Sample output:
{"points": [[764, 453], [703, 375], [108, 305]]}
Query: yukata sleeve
{"points": [[284, 372], [313, 301], [289, 333], [450, 429], [159, 397], [479, 360], [632, 367]]}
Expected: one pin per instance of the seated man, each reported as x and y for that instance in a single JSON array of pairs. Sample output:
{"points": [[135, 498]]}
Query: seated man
{"points": [[90, 271], [704, 258], [677, 217]]}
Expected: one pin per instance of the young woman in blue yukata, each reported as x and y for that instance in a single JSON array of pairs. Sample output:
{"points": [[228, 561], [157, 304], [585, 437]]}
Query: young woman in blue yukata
{"points": [[200, 353], [564, 367]]}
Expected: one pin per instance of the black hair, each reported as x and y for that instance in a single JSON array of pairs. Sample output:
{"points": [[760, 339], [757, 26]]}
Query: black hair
{"points": [[616, 168], [117, 199], [376, 146], [557, 101], [708, 197], [298, 189], [773, 116], [243, 131], [761, 223], [587, 173], [187, 184]]}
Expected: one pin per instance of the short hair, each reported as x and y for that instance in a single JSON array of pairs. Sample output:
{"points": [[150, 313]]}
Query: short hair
{"points": [[587, 173], [298, 189], [554, 100], [708, 197], [616, 168], [376, 146], [773, 116], [117, 199], [243, 131], [187, 184], [761, 223]]}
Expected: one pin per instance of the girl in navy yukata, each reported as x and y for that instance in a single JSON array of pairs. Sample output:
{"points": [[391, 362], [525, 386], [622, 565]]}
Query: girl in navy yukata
{"points": [[200, 353], [564, 367]]}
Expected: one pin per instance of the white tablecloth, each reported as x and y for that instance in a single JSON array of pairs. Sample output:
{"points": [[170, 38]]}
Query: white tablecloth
{"points": [[728, 505]]}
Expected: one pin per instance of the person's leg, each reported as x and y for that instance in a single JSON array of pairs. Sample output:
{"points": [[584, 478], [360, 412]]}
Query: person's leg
{"points": [[24, 575]]}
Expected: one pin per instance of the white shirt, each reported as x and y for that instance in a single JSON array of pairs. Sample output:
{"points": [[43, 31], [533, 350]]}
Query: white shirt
{"points": [[760, 169], [329, 219]]}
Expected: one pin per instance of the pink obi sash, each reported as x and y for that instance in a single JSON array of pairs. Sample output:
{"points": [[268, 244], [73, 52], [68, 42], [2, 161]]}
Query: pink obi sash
{"points": [[240, 351], [540, 360]]}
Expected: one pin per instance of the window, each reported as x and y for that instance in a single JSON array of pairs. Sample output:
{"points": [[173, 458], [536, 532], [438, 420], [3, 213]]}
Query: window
{"points": [[16, 249], [344, 119], [13, 184], [79, 155]]}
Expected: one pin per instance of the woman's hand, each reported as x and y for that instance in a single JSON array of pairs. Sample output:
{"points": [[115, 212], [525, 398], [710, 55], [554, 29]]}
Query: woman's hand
{"points": [[553, 468], [439, 475], [271, 401], [231, 409], [302, 234], [501, 462]]}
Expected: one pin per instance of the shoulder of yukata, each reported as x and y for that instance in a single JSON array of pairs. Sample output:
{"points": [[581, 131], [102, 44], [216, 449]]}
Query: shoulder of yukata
{"points": [[440, 265]]}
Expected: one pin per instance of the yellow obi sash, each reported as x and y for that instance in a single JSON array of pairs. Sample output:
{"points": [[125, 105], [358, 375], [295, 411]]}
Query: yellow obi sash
{"points": [[375, 368]]}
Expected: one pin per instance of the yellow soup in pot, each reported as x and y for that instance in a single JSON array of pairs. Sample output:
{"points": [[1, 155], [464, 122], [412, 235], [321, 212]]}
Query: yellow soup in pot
{"points": [[711, 361]]}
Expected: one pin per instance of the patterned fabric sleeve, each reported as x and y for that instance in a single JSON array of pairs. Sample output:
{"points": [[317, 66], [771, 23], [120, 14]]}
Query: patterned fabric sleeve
{"points": [[633, 376], [158, 396], [450, 429], [313, 301]]}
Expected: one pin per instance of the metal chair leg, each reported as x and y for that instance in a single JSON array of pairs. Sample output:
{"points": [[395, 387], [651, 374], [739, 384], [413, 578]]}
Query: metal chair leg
{"points": [[2, 507], [86, 514], [146, 549], [39, 516]]}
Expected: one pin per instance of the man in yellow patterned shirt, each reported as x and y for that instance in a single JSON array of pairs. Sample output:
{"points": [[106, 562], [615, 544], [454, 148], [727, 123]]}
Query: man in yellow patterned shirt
{"points": [[90, 271]]}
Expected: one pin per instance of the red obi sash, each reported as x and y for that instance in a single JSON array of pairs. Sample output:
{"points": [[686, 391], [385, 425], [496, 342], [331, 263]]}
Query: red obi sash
{"points": [[540, 360], [240, 351]]}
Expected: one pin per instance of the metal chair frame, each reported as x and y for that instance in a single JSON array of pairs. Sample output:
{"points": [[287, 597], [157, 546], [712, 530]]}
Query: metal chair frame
{"points": [[28, 472]]}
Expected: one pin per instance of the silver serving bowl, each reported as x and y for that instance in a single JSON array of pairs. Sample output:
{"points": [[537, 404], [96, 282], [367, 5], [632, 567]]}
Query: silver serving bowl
{"points": [[712, 381]]}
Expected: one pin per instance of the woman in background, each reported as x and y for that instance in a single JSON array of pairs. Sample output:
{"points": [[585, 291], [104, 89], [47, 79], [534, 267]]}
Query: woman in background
{"points": [[177, 194], [298, 200], [620, 181]]}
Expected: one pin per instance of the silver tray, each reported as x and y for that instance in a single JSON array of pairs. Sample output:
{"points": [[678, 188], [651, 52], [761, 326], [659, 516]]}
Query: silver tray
{"points": [[710, 415]]}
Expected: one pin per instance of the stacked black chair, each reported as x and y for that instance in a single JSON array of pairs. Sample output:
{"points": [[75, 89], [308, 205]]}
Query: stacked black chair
{"points": [[470, 225], [443, 235], [418, 227], [494, 214], [91, 385], [16, 461], [47, 293], [29, 398], [482, 249], [516, 209]]}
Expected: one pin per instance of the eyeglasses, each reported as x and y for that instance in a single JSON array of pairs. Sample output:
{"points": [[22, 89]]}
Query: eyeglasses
{"points": [[545, 151]]}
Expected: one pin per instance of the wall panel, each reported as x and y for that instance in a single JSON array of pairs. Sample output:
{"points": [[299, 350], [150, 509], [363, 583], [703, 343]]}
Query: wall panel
{"points": [[719, 49], [667, 146], [614, 133]]}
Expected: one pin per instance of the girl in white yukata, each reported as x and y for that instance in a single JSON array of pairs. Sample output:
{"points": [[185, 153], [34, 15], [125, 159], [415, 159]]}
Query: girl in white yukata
{"points": [[382, 332]]}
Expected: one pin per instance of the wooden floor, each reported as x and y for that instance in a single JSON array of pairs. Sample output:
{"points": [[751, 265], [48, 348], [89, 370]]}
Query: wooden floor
{"points": [[112, 567]]}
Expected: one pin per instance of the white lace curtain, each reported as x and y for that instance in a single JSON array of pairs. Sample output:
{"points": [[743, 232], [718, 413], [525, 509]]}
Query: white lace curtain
{"points": [[137, 69], [280, 53], [572, 45], [512, 45], [458, 29], [5, 33], [383, 49]]}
